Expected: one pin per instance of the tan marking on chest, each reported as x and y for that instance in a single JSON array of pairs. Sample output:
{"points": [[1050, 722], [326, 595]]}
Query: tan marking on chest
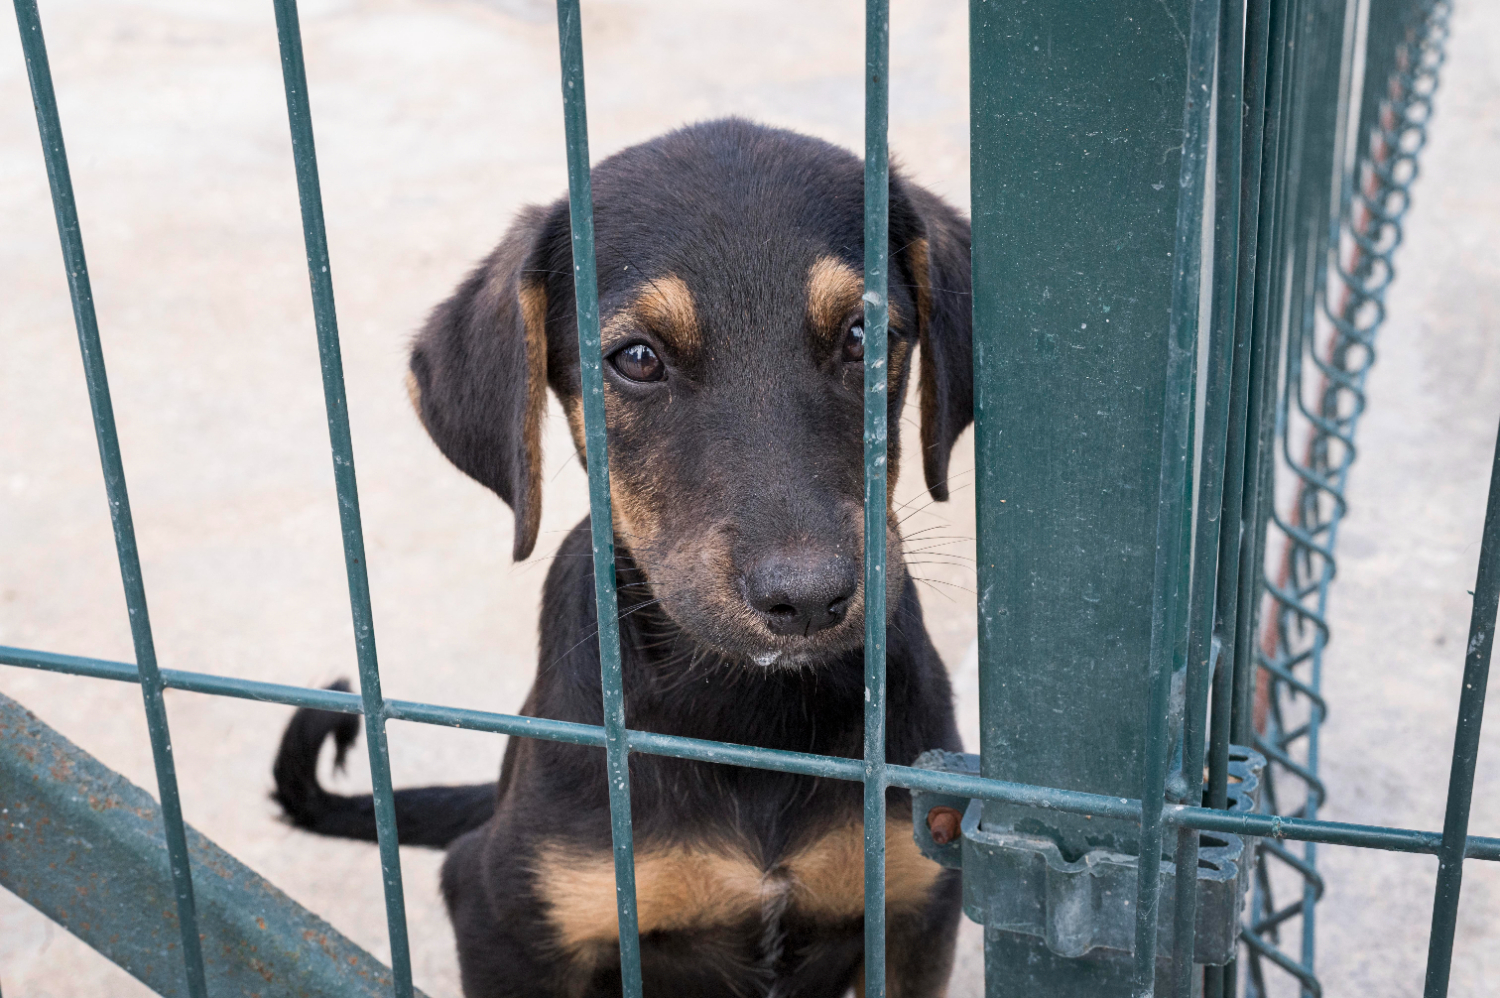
{"points": [[675, 888], [681, 887], [829, 875]]}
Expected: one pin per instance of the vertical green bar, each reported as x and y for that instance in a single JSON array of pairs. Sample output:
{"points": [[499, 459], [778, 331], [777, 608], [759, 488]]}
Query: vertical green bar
{"points": [[877, 320], [1242, 53], [590, 353], [1211, 477], [1264, 343], [1265, 330], [1074, 208], [1466, 747], [315, 236], [49, 127], [1170, 577], [1252, 130]]}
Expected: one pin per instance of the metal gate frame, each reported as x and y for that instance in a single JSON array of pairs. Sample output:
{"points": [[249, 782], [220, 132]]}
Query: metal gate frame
{"points": [[1280, 231]]}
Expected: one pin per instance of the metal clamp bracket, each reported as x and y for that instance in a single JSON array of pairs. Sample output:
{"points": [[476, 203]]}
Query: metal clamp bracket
{"points": [[1024, 884]]}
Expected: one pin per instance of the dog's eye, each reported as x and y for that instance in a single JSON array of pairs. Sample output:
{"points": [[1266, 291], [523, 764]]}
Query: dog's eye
{"points": [[854, 343], [638, 362]]}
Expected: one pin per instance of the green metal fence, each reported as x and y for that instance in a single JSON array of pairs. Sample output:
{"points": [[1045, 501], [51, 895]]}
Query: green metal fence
{"points": [[1312, 113]]}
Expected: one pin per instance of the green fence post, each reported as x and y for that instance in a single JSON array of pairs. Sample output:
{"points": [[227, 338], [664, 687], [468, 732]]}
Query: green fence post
{"points": [[1079, 173]]}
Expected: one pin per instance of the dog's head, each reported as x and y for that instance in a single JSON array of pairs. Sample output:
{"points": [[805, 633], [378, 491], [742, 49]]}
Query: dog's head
{"points": [[730, 261]]}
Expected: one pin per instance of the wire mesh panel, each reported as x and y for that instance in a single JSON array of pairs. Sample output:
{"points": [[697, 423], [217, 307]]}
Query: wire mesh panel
{"points": [[1358, 174], [1313, 113]]}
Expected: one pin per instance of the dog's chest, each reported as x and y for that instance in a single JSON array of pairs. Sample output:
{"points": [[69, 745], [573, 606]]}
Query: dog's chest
{"points": [[690, 888]]}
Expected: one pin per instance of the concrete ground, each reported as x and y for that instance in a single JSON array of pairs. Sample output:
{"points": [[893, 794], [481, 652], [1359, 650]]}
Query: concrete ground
{"points": [[436, 120]]}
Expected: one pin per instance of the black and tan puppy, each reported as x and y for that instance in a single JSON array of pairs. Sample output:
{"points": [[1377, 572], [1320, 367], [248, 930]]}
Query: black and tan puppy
{"points": [[730, 260]]}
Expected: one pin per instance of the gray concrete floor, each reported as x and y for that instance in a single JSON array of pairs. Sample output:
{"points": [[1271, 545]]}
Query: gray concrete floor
{"points": [[437, 119]]}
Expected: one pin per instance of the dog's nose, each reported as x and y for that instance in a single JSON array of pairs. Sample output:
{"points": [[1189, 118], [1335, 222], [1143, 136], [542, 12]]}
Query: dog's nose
{"points": [[801, 593]]}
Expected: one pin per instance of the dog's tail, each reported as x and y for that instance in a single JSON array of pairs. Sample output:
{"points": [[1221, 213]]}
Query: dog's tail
{"points": [[425, 816]]}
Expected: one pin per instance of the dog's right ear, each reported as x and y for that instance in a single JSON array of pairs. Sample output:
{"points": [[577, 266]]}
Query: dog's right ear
{"points": [[478, 375], [936, 259]]}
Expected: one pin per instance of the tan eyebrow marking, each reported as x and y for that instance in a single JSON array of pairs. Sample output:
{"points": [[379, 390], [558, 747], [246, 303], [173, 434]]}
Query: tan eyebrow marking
{"points": [[664, 306], [833, 291]]}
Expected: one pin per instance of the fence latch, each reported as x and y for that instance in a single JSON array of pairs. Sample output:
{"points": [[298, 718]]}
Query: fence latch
{"points": [[1024, 884]]}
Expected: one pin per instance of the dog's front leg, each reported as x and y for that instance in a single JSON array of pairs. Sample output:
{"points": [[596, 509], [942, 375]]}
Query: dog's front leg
{"points": [[505, 945], [919, 946]]}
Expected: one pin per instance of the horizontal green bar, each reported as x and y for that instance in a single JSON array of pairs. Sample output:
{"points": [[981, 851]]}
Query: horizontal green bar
{"points": [[802, 763], [302, 696], [1337, 833], [504, 724]]}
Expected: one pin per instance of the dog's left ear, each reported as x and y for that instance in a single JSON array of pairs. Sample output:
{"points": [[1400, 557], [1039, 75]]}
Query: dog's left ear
{"points": [[478, 375], [935, 256]]}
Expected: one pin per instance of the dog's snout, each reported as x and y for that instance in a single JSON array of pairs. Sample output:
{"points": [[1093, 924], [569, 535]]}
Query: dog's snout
{"points": [[801, 593]]}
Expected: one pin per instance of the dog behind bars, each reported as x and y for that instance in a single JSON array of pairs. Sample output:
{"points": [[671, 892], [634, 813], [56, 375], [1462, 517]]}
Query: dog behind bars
{"points": [[730, 260]]}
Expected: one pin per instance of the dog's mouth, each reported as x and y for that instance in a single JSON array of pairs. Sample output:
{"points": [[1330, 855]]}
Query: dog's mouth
{"points": [[737, 633], [745, 641], [766, 608], [732, 630], [794, 658], [790, 661]]}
